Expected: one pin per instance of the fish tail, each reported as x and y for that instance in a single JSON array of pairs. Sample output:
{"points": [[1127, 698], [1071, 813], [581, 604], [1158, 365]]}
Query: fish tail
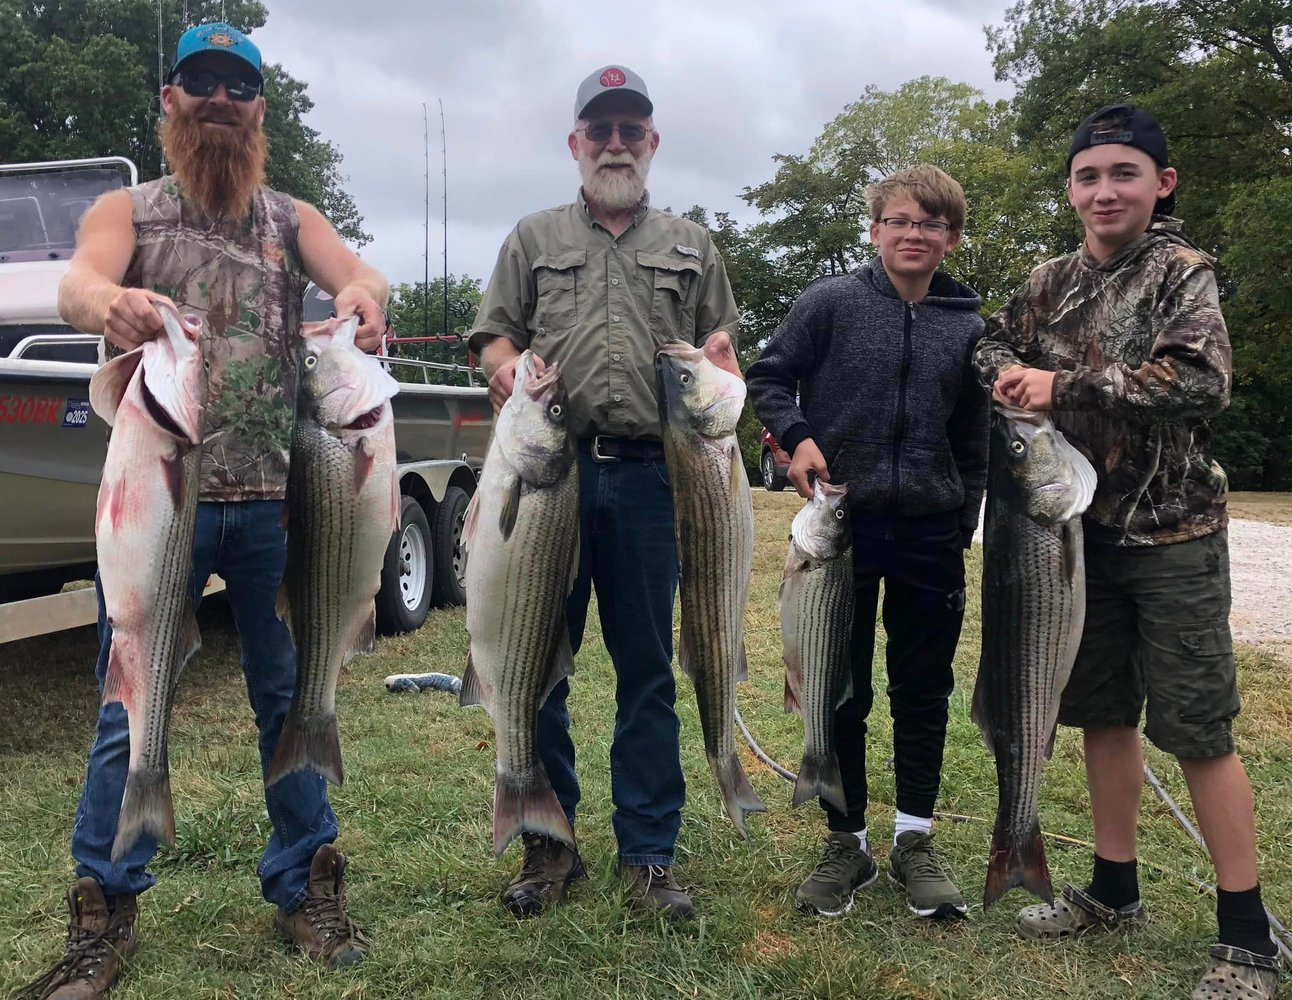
{"points": [[819, 777], [310, 741], [527, 802], [1017, 862], [145, 809], [738, 794]]}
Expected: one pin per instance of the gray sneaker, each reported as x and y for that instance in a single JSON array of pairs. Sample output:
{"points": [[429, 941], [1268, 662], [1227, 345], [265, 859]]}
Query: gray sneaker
{"points": [[843, 869], [1074, 913], [913, 865]]}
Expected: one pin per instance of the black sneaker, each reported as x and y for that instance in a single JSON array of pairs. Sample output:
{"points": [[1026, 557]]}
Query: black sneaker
{"points": [[653, 888], [843, 869], [549, 868], [929, 891]]}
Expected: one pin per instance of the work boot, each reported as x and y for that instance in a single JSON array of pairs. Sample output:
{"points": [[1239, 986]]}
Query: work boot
{"points": [[1075, 913], [651, 887], [913, 865], [1239, 974], [843, 869], [97, 940], [321, 927], [547, 871]]}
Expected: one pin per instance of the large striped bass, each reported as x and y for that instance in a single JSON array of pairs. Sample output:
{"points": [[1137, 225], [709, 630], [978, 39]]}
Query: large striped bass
{"points": [[153, 398], [816, 599], [1033, 609], [713, 518], [521, 536], [342, 508]]}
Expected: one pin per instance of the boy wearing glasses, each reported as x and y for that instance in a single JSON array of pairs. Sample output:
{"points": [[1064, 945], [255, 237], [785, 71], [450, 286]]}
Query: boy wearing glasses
{"points": [[1124, 341], [868, 382], [212, 240], [599, 285]]}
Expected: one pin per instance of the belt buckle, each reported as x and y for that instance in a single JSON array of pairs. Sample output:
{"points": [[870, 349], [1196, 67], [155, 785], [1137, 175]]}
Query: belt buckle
{"points": [[597, 455]]}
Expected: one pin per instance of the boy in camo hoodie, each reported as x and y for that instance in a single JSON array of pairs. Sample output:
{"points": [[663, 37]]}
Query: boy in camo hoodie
{"points": [[1124, 341]]}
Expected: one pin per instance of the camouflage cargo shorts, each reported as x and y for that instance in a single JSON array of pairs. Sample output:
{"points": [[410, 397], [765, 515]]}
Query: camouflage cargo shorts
{"points": [[1157, 631]]}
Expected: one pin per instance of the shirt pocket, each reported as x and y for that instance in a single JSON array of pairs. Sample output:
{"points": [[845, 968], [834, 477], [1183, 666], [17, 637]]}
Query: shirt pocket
{"points": [[556, 290], [671, 295]]}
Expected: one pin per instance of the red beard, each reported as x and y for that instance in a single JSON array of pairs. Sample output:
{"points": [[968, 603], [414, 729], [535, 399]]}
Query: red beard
{"points": [[218, 169]]}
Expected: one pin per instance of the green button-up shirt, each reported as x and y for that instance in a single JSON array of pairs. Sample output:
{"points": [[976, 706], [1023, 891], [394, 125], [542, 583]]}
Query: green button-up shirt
{"points": [[601, 305]]}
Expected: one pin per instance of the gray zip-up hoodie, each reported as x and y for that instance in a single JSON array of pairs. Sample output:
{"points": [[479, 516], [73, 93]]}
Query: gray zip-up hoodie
{"points": [[886, 389]]}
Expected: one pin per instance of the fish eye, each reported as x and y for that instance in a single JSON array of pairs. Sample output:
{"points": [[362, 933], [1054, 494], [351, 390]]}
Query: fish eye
{"points": [[310, 361], [1017, 447], [838, 514], [556, 409], [685, 378]]}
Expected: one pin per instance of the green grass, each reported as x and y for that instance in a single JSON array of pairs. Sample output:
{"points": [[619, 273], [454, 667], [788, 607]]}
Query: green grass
{"points": [[415, 819]]}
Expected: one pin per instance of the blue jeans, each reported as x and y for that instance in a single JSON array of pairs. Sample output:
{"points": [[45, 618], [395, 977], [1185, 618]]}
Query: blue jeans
{"points": [[244, 543], [628, 553]]}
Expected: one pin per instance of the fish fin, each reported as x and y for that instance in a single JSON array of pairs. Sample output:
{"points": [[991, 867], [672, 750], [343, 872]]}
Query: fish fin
{"points": [[473, 691], [685, 656], [527, 803], [793, 684], [192, 638], [470, 520], [146, 808], [510, 509], [1071, 554], [173, 474], [307, 742], [819, 777], [283, 607], [1017, 863], [108, 509], [116, 684], [109, 383], [1049, 744], [847, 692], [283, 519], [737, 471], [738, 795], [562, 664], [365, 639], [364, 462], [980, 713], [742, 663]]}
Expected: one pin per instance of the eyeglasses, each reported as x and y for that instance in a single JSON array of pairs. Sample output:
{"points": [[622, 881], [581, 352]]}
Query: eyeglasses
{"points": [[602, 131], [203, 83], [930, 226]]}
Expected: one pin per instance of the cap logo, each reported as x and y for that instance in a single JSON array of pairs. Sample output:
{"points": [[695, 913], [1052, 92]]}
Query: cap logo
{"points": [[1100, 138], [613, 78]]}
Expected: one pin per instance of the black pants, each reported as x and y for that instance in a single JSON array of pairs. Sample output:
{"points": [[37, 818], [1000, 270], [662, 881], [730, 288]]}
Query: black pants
{"points": [[921, 563]]}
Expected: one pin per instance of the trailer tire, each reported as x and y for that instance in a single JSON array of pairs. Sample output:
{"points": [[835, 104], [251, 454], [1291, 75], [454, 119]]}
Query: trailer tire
{"points": [[446, 539], [404, 599]]}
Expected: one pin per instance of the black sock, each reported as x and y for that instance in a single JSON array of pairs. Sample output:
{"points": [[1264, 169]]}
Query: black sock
{"points": [[1115, 883], [1242, 920]]}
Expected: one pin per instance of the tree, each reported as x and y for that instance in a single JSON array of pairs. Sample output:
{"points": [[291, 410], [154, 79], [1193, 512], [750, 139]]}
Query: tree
{"points": [[417, 310], [79, 78]]}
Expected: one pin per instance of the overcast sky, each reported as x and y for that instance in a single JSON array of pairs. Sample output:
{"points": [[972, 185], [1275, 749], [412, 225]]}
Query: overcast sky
{"points": [[733, 82]]}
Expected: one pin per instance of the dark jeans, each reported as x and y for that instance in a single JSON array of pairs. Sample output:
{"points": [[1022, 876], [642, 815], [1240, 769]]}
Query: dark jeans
{"points": [[628, 553], [244, 543], [921, 563]]}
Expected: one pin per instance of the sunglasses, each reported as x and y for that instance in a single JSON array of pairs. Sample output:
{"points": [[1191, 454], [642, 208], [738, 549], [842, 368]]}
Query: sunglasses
{"points": [[203, 83], [602, 131]]}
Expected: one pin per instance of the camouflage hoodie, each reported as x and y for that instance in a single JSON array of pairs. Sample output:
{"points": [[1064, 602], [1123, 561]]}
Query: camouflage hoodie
{"points": [[1144, 362]]}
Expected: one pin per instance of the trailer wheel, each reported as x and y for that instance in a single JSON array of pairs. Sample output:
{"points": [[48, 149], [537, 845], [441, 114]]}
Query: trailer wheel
{"points": [[405, 596], [446, 537]]}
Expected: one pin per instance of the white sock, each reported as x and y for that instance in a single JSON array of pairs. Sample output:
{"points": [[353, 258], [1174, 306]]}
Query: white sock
{"points": [[861, 839], [906, 822]]}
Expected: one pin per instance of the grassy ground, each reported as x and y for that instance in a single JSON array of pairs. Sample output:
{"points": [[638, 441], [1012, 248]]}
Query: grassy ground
{"points": [[1275, 508], [415, 818]]}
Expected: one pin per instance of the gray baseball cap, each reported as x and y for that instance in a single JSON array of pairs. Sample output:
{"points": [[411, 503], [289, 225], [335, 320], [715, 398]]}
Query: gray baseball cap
{"points": [[609, 80]]}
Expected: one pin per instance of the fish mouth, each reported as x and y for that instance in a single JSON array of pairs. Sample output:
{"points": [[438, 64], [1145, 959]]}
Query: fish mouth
{"points": [[537, 384], [366, 420], [679, 349]]}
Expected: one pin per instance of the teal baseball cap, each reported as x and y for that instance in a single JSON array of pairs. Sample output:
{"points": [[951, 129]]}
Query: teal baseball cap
{"points": [[216, 37]]}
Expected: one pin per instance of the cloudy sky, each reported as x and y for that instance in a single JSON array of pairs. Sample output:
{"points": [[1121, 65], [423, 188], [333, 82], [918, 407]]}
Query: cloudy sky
{"points": [[733, 82]]}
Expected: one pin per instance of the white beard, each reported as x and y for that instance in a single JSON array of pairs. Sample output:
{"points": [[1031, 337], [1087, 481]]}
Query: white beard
{"points": [[614, 190]]}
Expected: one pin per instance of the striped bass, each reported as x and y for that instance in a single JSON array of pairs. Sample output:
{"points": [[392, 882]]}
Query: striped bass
{"points": [[153, 398], [342, 508], [1033, 609], [816, 601], [521, 536], [713, 518]]}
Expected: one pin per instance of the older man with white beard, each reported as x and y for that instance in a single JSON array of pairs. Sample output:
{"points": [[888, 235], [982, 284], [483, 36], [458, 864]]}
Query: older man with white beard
{"points": [[598, 285]]}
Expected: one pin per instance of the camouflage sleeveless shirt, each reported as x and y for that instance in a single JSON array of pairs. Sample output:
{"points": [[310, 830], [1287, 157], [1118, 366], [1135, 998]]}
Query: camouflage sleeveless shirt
{"points": [[245, 280]]}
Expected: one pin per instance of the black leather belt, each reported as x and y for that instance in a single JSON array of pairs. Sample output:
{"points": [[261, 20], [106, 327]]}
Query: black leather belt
{"points": [[611, 449]]}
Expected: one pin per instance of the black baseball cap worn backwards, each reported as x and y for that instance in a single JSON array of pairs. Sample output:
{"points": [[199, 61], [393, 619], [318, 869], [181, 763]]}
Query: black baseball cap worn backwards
{"points": [[1126, 125]]}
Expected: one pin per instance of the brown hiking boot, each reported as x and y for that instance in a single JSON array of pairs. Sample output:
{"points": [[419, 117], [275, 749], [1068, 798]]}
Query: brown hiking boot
{"points": [[321, 927], [547, 871], [652, 888], [97, 941]]}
